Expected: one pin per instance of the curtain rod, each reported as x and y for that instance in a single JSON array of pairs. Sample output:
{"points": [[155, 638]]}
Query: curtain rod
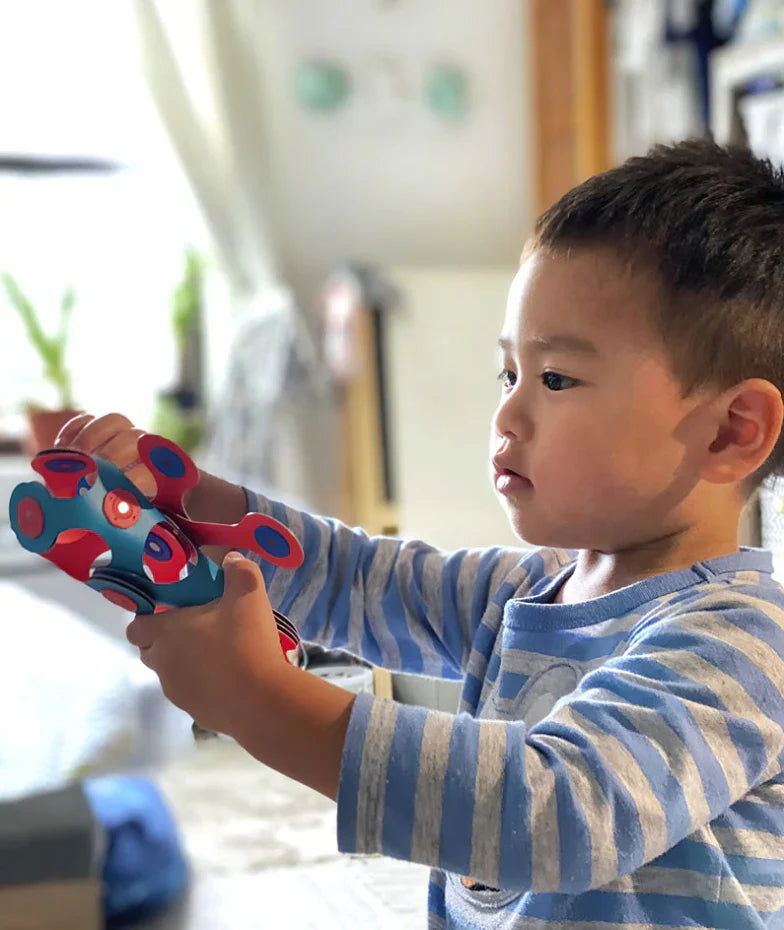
{"points": [[56, 164]]}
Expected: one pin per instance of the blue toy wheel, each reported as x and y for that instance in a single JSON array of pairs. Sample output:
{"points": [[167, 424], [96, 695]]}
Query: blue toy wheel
{"points": [[167, 462], [272, 541], [156, 547]]}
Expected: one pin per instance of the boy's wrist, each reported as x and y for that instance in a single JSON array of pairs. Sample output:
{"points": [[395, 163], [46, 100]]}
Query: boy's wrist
{"points": [[296, 722], [214, 500]]}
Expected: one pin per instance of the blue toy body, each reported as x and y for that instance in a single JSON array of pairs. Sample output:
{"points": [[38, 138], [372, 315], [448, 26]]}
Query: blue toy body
{"points": [[141, 554], [202, 580]]}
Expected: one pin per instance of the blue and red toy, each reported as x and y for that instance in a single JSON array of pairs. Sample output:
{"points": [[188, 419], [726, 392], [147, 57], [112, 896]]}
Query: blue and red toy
{"points": [[140, 553]]}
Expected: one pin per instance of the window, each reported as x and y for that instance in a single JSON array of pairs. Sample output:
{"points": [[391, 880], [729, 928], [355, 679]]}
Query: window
{"points": [[116, 235]]}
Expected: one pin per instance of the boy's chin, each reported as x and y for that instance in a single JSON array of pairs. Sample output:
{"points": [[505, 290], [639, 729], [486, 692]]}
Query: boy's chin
{"points": [[542, 536], [532, 537]]}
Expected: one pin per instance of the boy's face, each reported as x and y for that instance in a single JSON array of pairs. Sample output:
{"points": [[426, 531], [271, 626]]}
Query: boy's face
{"points": [[590, 441]]}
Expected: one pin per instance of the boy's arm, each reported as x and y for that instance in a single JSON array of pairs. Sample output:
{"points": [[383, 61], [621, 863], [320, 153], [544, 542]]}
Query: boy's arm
{"points": [[403, 605], [304, 737], [214, 500], [652, 746]]}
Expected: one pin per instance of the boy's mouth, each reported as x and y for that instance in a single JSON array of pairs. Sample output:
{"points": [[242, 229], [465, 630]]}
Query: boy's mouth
{"points": [[506, 480]]}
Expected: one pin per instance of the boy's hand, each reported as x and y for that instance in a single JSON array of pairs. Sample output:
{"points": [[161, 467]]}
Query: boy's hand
{"points": [[111, 437], [222, 663], [115, 438], [219, 660]]}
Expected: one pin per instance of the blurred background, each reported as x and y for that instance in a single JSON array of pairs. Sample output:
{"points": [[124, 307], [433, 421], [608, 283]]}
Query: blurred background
{"points": [[281, 233]]}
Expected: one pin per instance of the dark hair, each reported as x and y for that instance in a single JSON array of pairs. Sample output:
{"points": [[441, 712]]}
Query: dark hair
{"points": [[709, 222]]}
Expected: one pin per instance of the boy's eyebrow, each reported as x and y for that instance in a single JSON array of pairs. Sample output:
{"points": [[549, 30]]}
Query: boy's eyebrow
{"points": [[555, 342]]}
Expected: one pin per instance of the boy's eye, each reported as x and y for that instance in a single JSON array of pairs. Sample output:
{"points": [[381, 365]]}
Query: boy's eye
{"points": [[507, 378], [554, 381]]}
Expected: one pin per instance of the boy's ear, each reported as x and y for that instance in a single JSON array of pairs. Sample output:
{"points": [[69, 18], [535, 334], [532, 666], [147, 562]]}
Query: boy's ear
{"points": [[748, 424]]}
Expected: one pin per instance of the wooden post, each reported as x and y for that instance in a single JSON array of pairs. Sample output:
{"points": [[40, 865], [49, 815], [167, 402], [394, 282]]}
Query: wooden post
{"points": [[363, 500], [569, 43], [363, 497], [591, 44]]}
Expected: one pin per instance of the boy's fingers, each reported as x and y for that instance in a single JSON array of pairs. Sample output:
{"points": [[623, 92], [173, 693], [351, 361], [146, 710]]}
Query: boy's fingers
{"points": [[147, 657], [121, 449], [141, 631], [141, 476], [145, 629], [71, 429], [98, 431], [112, 437], [241, 575]]}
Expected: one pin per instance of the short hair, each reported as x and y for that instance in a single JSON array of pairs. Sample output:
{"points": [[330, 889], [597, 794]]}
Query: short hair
{"points": [[708, 221]]}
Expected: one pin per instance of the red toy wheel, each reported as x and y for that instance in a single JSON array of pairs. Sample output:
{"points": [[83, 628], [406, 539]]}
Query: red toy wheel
{"points": [[121, 600], [167, 554], [121, 588], [286, 642], [30, 517], [65, 472], [121, 509], [287, 636]]}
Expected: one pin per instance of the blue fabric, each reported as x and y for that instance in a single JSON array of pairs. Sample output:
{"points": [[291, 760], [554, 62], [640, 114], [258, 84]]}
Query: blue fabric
{"points": [[144, 868]]}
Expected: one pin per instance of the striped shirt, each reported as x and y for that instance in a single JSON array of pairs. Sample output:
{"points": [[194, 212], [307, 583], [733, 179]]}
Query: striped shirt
{"points": [[614, 763]]}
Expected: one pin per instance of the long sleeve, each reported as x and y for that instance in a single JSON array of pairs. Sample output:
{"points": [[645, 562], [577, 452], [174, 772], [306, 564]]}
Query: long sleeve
{"points": [[660, 740], [401, 604]]}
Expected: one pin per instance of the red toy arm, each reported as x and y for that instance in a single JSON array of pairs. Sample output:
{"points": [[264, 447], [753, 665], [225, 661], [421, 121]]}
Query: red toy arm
{"points": [[172, 469], [255, 532], [175, 473]]}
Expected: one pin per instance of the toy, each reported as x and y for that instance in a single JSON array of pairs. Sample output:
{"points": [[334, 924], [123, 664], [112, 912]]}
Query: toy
{"points": [[141, 554]]}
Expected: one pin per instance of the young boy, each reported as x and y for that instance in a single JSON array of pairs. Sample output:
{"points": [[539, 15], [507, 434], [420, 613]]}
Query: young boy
{"points": [[617, 760]]}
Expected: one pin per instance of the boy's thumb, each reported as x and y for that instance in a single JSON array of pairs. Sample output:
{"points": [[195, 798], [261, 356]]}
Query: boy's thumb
{"points": [[240, 575]]}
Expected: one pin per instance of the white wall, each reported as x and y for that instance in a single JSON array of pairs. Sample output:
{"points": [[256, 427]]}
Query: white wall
{"points": [[443, 208], [442, 366], [382, 179]]}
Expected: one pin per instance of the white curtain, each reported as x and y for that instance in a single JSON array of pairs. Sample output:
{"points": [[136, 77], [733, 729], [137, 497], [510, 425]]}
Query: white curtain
{"points": [[202, 67], [205, 80]]}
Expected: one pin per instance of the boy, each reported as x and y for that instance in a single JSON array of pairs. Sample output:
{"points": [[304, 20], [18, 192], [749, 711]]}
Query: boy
{"points": [[618, 756]]}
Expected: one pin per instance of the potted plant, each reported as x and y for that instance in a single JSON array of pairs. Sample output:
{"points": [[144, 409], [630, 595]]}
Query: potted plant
{"points": [[179, 413], [45, 423]]}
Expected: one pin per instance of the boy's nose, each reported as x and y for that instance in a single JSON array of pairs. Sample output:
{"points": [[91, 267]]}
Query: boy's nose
{"points": [[510, 420]]}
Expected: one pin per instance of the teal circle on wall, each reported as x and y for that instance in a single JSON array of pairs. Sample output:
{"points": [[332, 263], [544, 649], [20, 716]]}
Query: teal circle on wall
{"points": [[321, 85], [446, 92]]}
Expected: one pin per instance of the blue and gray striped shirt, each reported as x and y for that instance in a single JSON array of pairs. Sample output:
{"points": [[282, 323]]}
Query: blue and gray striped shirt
{"points": [[614, 763]]}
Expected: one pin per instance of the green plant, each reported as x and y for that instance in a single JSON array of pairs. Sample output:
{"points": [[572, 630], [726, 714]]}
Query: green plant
{"points": [[178, 413], [186, 298], [51, 349]]}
